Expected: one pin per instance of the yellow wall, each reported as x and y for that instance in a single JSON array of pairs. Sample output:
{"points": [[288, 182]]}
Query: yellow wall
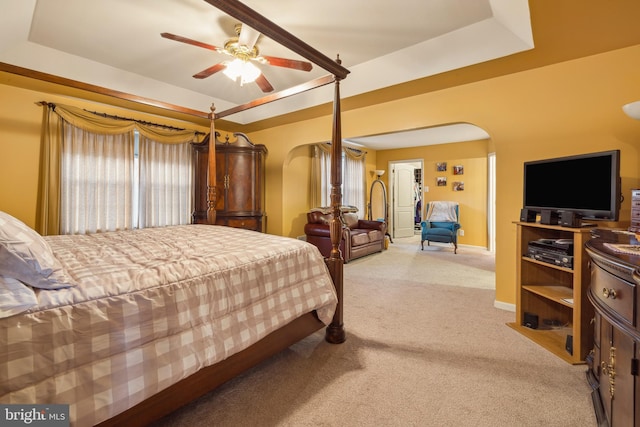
{"points": [[566, 108], [562, 109], [473, 200], [296, 185]]}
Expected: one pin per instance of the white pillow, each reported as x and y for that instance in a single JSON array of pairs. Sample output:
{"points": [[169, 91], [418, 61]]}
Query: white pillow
{"points": [[26, 256], [15, 297]]}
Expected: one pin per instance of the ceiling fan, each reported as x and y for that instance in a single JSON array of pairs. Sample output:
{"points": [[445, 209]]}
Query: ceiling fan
{"points": [[244, 50]]}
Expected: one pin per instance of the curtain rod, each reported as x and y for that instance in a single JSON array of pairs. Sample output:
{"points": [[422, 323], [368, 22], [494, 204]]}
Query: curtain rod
{"points": [[111, 116], [346, 147]]}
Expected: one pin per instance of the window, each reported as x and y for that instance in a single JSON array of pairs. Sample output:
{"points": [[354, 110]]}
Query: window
{"points": [[353, 177], [123, 181]]}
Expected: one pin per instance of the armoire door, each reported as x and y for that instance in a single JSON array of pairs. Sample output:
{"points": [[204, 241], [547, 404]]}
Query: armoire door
{"points": [[221, 181], [241, 191]]}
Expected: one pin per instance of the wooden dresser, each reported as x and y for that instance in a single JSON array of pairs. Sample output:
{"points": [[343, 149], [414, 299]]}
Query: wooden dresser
{"points": [[613, 364], [240, 169]]}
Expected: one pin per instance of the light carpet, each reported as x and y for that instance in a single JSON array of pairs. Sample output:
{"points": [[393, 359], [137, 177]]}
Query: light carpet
{"points": [[425, 347]]}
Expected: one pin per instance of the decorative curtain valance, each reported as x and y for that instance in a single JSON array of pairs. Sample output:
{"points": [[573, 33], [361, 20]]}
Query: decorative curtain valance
{"points": [[354, 154], [324, 146], [109, 126]]}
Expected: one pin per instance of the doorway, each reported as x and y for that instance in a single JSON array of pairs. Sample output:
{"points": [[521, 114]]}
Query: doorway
{"points": [[406, 184], [403, 203]]}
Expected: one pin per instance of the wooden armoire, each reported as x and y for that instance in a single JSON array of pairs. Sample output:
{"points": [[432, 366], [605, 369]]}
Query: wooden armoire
{"points": [[240, 187]]}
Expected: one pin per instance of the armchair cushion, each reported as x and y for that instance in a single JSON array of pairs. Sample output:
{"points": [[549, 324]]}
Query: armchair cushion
{"points": [[445, 227]]}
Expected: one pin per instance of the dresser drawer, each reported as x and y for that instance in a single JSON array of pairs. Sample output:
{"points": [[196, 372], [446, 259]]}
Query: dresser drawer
{"points": [[248, 223], [635, 194], [614, 292]]}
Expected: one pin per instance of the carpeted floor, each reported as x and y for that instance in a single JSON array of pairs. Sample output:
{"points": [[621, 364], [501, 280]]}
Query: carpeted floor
{"points": [[425, 347]]}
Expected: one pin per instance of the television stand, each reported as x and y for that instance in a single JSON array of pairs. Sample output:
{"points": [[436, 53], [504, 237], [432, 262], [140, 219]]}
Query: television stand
{"points": [[555, 294]]}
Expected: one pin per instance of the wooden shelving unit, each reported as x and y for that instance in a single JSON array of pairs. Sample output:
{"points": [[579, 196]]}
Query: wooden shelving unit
{"points": [[557, 295]]}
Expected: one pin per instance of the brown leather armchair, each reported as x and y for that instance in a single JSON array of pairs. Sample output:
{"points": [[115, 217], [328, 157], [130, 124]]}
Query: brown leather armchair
{"points": [[359, 237]]}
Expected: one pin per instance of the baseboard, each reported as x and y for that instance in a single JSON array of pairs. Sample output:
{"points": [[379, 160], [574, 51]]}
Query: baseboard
{"points": [[460, 245], [504, 306]]}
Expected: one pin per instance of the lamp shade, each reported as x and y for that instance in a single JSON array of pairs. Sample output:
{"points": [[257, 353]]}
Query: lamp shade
{"points": [[244, 70], [379, 172], [632, 110]]}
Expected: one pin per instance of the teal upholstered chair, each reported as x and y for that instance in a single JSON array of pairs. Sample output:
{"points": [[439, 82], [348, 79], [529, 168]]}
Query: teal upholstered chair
{"points": [[441, 224]]}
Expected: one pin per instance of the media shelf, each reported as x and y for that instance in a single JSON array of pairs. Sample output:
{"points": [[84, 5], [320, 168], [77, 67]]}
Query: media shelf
{"points": [[557, 295]]}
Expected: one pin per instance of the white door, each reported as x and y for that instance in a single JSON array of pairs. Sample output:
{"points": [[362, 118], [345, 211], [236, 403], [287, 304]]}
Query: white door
{"points": [[403, 204]]}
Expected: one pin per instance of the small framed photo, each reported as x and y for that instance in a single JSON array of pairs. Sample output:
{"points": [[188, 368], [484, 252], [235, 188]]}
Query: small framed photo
{"points": [[441, 181], [441, 166], [458, 170], [458, 186]]}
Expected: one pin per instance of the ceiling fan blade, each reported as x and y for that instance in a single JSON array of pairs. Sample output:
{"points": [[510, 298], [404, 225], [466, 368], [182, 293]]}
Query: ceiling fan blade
{"points": [[264, 84], [288, 63], [189, 41], [248, 36], [209, 71]]}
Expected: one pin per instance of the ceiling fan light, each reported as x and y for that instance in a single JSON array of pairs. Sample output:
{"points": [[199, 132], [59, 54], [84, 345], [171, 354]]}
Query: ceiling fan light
{"points": [[243, 70]]}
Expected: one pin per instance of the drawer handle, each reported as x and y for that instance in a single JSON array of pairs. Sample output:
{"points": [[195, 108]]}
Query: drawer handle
{"points": [[609, 293]]}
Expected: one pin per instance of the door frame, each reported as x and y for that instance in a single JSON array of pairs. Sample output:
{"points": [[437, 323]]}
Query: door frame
{"points": [[491, 201], [391, 179]]}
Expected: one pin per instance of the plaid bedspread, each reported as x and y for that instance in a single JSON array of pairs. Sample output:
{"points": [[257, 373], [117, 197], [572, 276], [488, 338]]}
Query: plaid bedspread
{"points": [[152, 307]]}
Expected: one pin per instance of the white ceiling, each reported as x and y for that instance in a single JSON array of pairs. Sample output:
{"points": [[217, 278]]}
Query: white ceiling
{"points": [[445, 134], [116, 44]]}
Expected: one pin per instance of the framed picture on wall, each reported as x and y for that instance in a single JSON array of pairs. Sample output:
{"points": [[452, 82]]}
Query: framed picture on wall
{"points": [[441, 166], [458, 186], [458, 170], [441, 181]]}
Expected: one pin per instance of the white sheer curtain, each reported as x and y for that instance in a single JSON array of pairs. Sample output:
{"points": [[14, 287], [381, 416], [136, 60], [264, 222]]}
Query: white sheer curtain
{"points": [[166, 182], [353, 181], [321, 176], [96, 181], [353, 178]]}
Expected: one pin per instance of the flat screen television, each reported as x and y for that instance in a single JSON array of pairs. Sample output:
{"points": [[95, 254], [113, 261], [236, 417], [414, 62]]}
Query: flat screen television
{"points": [[586, 184]]}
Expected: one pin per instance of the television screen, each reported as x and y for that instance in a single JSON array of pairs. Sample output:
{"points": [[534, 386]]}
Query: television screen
{"points": [[587, 184]]}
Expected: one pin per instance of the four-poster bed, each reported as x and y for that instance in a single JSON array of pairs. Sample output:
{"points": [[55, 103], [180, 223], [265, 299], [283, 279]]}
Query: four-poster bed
{"points": [[209, 378], [335, 331], [94, 397]]}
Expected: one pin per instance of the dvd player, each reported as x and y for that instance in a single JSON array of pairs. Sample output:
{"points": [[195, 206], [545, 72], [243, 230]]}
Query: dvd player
{"points": [[563, 246], [553, 251]]}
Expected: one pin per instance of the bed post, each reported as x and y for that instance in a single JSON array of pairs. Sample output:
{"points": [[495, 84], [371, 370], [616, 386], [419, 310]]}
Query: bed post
{"points": [[211, 175], [335, 332]]}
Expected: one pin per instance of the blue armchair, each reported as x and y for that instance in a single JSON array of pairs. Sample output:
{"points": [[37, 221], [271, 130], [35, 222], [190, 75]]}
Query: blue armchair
{"points": [[442, 224]]}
